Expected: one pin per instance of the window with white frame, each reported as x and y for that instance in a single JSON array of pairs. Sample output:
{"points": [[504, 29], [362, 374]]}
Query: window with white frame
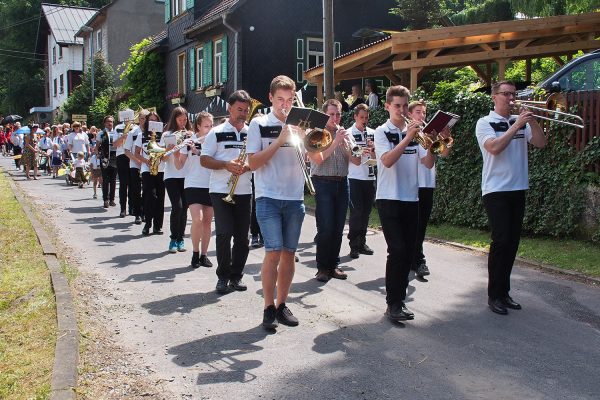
{"points": [[177, 7], [60, 52], [54, 55], [99, 40], [199, 66], [314, 52], [218, 54], [181, 73], [55, 87], [61, 83]]}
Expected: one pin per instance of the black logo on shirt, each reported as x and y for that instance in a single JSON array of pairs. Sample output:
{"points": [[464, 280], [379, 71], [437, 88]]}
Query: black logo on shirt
{"points": [[269, 132]]}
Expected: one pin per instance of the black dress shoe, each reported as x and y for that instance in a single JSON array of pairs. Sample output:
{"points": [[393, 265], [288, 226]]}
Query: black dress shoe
{"points": [[157, 232], [138, 221], [237, 284], [399, 312], [322, 276], [508, 302], [366, 250], [146, 230], [354, 253], [222, 286], [122, 214], [497, 306], [338, 274]]}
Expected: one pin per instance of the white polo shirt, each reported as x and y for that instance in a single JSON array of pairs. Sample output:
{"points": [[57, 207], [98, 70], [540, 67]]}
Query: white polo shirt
{"points": [[142, 142], [509, 170], [196, 176], [119, 129], [171, 170], [362, 172], [400, 181], [79, 141], [426, 176], [129, 144], [281, 177], [224, 143]]}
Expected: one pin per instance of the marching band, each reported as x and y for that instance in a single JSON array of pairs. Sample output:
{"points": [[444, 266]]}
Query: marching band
{"points": [[208, 170]]}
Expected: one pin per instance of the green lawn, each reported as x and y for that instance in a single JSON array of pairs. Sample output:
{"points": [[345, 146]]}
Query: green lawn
{"points": [[574, 255], [27, 307]]}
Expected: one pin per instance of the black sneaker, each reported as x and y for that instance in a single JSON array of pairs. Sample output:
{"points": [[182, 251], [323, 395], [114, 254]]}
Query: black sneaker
{"points": [[195, 260], [105, 204], [269, 318], [254, 242], [237, 284], [422, 270], [146, 230], [366, 250], [285, 316], [122, 214], [222, 286], [398, 312], [205, 262]]}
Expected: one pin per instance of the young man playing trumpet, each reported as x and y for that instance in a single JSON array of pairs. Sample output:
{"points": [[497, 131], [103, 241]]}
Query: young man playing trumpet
{"points": [[398, 156], [502, 139], [222, 152], [329, 171], [279, 182]]}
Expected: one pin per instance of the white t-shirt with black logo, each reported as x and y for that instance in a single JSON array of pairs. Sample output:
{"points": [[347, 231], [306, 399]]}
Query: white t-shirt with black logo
{"points": [[196, 176], [509, 170], [400, 181], [281, 177], [224, 143], [362, 172], [129, 144], [171, 170], [119, 129], [142, 142]]}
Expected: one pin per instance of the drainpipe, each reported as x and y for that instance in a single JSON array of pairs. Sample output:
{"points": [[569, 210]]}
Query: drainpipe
{"points": [[235, 51]]}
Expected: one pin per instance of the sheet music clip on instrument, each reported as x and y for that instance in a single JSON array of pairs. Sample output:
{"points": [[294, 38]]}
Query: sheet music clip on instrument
{"points": [[307, 118]]}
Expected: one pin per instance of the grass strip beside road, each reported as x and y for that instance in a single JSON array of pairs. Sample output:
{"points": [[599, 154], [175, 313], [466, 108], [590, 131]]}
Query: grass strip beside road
{"points": [[27, 306], [574, 255]]}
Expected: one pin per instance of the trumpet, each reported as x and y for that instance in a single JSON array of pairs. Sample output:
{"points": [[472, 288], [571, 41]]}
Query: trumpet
{"points": [[234, 179], [555, 104]]}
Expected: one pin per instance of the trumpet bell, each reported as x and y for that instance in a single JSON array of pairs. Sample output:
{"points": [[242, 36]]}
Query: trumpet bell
{"points": [[318, 140]]}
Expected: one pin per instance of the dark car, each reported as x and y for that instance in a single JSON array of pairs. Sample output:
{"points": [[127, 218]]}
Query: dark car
{"points": [[581, 73]]}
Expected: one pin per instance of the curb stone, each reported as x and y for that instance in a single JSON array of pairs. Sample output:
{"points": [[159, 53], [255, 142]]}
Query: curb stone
{"points": [[66, 353]]}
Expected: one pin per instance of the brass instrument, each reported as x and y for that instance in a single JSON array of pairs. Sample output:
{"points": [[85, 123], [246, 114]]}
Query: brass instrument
{"points": [[234, 179], [316, 140], [300, 155], [155, 154], [555, 104], [254, 106]]}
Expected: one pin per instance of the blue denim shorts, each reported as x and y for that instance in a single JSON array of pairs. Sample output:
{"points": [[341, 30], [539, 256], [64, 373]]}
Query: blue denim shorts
{"points": [[280, 223]]}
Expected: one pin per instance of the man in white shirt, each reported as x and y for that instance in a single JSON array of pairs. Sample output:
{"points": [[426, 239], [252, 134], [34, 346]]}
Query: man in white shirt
{"points": [[135, 180], [502, 139], [398, 156], [221, 153], [279, 182], [362, 184]]}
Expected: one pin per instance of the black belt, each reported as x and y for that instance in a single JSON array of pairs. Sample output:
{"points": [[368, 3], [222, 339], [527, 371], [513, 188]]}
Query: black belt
{"points": [[329, 178]]}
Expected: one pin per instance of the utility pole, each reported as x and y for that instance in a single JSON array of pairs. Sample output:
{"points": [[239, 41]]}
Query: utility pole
{"points": [[328, 48]]}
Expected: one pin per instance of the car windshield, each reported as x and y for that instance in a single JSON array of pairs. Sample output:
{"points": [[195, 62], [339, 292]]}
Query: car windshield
{"points": [[583, 76]]}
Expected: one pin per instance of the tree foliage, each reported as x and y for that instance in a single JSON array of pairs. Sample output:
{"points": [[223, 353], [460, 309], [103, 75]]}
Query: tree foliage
{"points": [[144, 77]]}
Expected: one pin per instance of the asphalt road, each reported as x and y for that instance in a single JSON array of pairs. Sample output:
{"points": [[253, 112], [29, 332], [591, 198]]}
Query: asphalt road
{"points": [[211, 346]]}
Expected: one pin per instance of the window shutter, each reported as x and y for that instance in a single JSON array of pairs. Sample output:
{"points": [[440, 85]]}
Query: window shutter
{"points": [[336, 49], [208, 63], [300, 56], [168, 10], [192, 61], [224, 71], [189, 4]]}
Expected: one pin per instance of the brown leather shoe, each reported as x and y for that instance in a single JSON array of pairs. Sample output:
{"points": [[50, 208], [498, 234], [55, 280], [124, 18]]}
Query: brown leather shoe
{"points": [[338, 274], [322, 276]]}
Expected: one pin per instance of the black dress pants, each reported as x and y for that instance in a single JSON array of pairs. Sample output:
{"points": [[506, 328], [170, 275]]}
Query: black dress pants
{"points": [[254, 227], [175, 190], [231, 221], [399, 222], [135, 191], [154, 199], [425, 206], [109, 182], [362, 194], [505, 212], [123, 172]]}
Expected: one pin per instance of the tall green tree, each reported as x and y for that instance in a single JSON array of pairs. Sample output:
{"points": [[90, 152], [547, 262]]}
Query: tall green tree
{"points": [[547, 8]]}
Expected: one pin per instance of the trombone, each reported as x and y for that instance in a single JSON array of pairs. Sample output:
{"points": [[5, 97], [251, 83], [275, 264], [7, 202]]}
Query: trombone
{"points": [[555, 104], [436, 145]]}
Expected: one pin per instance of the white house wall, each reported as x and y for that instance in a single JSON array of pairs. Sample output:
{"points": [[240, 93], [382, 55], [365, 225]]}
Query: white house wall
{"points": [[71, 61]]}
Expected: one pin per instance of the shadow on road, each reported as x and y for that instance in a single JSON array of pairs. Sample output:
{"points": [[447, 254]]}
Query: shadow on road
{"points": [[125, 260], [182, 303], [162, 276]]}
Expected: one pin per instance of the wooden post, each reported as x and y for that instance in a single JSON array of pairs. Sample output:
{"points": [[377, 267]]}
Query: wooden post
{"points": [[528, 70], [501, 68], [319, 93], [414, 78], [488, 68]]}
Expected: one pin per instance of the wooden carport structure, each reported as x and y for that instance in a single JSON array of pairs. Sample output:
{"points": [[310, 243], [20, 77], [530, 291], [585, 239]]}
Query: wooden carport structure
{"points": [[402, 57]]}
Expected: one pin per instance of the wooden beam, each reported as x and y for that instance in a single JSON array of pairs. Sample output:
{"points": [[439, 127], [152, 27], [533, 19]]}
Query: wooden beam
{"points": [[528, 70], [478, 38], [414, 78], [482, 56], [394, 79], [488, 68], [374, 61], [485, 47], [495, 28], [559, 61], [319, 94], [501, 68], [523, 43], [482, 75]]}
